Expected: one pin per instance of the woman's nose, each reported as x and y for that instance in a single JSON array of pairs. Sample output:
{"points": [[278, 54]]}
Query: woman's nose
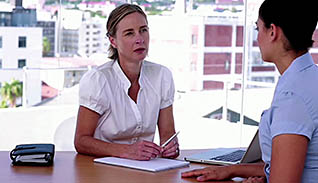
{"points": [[139, 41]]}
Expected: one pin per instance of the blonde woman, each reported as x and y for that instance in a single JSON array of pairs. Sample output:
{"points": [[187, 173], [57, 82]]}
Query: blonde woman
{"points": [[124, 100]]}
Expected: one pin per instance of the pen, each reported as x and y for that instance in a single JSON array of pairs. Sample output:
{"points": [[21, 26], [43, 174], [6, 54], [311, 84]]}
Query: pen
{"points": [[170, 139]]}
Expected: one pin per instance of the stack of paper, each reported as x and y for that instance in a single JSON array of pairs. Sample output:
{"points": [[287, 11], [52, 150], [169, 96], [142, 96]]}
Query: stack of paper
{"points": [[153, 165]]}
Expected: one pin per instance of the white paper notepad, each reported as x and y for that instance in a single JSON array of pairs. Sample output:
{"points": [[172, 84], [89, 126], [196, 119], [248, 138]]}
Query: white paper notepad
{"points": [[153, 165]]}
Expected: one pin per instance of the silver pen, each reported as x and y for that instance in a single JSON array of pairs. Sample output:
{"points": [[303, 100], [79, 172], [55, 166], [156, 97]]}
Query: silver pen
{"points": [[170, 139]]}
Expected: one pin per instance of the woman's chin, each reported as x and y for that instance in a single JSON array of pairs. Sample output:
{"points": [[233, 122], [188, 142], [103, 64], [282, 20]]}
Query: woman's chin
{"points": [[141, 57]]}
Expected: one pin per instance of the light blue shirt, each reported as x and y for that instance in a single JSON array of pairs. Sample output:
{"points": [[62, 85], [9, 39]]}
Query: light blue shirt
{"points": [[294, 110]]}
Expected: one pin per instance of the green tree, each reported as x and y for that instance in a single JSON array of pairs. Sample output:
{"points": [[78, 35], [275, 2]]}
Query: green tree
{"points": [[10, 92], [3, 104], [46, 46]]}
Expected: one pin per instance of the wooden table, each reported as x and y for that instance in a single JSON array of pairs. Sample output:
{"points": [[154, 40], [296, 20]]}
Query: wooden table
{"points": [[70, 167]]}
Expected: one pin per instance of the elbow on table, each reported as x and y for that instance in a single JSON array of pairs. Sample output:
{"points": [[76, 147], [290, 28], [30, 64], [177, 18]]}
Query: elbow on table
{"points": [[79, 145]]}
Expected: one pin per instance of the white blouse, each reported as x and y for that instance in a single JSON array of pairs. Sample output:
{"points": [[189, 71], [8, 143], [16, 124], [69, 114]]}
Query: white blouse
{"points": [[105, 90]]}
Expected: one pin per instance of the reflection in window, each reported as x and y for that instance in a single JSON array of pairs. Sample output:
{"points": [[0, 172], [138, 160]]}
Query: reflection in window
{"points": [[22, 42], [21, 63]]}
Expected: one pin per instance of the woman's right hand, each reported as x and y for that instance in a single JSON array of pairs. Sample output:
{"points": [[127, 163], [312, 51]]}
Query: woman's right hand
{"points": [[142, 150]]}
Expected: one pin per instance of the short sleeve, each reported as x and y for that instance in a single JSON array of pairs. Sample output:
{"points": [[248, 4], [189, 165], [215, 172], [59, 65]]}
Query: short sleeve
{"points": [[291, 116], [168, 89], [92, 94]]}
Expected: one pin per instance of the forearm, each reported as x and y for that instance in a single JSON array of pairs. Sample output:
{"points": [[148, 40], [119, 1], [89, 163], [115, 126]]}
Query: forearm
{"points": [[95, 147], [247, 170]]}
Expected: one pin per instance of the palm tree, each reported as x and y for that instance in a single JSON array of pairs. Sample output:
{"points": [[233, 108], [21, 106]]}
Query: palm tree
{"points": [[10, 92]]}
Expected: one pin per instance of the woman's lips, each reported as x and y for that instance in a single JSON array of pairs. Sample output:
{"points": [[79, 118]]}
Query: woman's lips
{"points": [[139, 50]]}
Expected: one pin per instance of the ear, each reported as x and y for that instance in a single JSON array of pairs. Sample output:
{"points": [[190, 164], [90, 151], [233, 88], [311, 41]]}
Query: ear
{"points": [[112, 41], [274, 32]]}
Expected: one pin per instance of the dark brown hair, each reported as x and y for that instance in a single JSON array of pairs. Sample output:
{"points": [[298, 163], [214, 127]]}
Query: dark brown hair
{"points": [[297, 19]]}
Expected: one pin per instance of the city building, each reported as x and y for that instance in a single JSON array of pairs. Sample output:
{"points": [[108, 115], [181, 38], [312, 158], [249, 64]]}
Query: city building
{"points": [[16, 15], [82, 35], [49, 36], [217, 54], [5, 18], [22, 17], [205, 49], [20, 49], [92, 35]]}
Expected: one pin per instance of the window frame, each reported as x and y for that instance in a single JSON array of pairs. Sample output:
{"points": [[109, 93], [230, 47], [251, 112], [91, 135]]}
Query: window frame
{"points": [[22, 42], [21, 60]]}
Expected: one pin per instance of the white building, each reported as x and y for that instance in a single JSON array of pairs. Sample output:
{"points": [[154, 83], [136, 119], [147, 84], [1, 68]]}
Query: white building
{"points": [[92, 35], [82, 35], [19, 47]]}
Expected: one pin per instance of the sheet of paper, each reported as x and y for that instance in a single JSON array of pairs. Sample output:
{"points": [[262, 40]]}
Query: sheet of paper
{"points": [[153, 165]]}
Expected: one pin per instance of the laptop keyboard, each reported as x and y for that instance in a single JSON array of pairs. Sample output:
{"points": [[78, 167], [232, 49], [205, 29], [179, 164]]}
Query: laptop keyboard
{"points": [[231, 157]]}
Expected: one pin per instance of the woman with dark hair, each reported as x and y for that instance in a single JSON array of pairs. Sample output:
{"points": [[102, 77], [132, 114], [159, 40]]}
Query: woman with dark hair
{"points": [[288, 130], [124, 100]]}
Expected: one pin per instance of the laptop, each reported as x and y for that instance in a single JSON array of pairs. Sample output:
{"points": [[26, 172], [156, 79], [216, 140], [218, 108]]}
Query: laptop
{"points": [[229, 156]]}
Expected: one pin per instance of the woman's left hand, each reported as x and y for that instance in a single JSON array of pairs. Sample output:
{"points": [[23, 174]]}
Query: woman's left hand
{"points": [[209, 173], [171, 150]]}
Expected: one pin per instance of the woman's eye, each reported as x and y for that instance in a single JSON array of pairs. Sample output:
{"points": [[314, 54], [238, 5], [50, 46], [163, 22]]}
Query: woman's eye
{"points": [[256, 26], [128, 33], [144, 30]]}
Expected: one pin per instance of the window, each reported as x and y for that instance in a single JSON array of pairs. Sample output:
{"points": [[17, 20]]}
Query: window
{"points": [[270, 79], [0, 64], [21, 63], [204, 53], [0, 41], [22, 42], [194, 39]]}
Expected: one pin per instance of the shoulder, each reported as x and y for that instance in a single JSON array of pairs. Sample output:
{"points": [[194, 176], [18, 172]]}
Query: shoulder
{"points": [[97, 72], [105, 67], [155, 68], [97, 77], [302, 84]]}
